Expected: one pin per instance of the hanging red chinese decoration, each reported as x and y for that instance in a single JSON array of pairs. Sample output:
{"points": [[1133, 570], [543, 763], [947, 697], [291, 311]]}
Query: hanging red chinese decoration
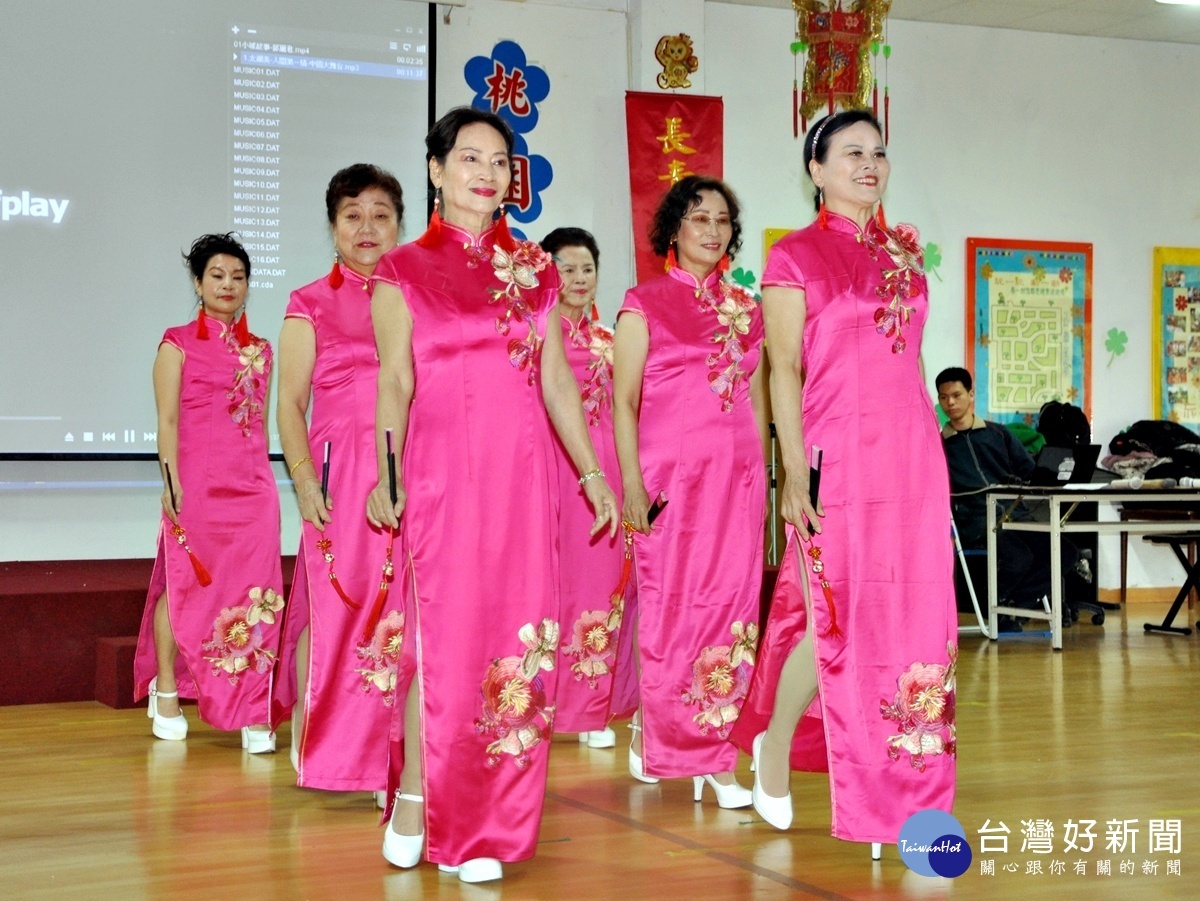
{"points": [[838, 42], [670, 136]]}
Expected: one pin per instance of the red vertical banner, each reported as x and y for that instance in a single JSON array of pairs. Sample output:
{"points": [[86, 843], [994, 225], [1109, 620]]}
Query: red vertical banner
{"points": [[670, 136]]}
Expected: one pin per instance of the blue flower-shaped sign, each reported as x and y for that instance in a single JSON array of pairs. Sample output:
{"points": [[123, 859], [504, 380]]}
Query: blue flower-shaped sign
{"points": [[507, 85]]}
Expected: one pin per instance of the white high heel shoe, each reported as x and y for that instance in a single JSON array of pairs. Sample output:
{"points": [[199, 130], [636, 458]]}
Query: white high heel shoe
{"points": [[258, 741], [730, 796], [168, 728], [477, 869], [776, 811], [635, 762], [403, 851]]}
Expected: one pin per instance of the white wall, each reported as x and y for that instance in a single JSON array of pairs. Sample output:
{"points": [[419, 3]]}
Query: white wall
{"points": [[995, 133]]}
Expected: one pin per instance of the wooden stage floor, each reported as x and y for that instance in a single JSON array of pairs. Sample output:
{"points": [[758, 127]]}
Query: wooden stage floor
{"points": [[94, 808]]}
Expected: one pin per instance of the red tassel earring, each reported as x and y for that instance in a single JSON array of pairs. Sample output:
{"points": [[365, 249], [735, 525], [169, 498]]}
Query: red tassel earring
{"points": [[880, 219], [433, 234], [504, 238], [723, 266], [822, 213], [241, 330], [672, 262], [202, 324], [594, 314], [335, 274]]}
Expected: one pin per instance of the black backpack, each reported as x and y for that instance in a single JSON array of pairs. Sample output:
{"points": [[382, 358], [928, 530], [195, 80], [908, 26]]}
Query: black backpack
{"points": [[1064, 425]]}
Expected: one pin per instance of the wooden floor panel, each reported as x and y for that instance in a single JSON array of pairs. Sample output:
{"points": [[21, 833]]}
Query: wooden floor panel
{"points": [[94, 808]]}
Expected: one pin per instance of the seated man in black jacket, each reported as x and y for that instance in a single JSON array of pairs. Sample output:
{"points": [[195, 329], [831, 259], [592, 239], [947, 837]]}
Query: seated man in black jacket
{"points": [[980, 454]]}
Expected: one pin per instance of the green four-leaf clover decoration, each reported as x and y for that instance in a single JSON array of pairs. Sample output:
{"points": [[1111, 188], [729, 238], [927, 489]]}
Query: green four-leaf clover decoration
{"points": [[1114, 343], [933, 259]]}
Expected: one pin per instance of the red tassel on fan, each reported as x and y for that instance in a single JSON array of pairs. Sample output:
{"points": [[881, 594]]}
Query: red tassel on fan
{"points": [[241, 330], [433, 234], [341, 592], [504, 238], [202, 325], [672, 262], [335, 275], [832, 631], [617, 598], [202, 575], [382, 594]]}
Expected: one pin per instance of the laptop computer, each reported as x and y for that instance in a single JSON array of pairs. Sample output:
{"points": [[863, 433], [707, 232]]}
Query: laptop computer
{"points": [[1065, 465]]}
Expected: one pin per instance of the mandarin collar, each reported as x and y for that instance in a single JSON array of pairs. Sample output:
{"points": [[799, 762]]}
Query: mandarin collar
{"points": [[846, 225], [682, 275], [464, 237], [350, 274]]}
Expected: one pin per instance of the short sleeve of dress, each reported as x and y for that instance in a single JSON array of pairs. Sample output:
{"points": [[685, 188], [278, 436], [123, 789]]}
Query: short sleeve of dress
{"points": [[386, 270], [300, 306], [173, 337], [782, 270], [633, 304], [549, 285]]}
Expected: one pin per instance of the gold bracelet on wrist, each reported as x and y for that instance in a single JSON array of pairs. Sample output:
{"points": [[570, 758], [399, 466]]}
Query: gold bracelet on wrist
{"points": [[297, 465], [591, 474]]}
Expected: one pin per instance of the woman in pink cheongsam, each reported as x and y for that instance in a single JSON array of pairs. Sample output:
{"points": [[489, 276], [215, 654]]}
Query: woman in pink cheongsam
{"points": [[473, 386], [596, 679], [690, 425], [856, 670], [343, 621], [211, 626]]}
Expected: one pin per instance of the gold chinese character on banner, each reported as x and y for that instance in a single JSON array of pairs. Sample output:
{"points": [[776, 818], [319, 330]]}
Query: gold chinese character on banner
{"points": [[673, 140], [676, 170]]}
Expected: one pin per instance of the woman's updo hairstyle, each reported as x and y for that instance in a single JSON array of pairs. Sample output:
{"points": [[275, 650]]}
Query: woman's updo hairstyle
{"points": [[816, 145], [440, 140], [206, 247]]}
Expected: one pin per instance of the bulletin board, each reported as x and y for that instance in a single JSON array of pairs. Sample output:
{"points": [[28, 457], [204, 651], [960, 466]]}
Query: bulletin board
{"points": [[1029, 326], [1175, 335]]}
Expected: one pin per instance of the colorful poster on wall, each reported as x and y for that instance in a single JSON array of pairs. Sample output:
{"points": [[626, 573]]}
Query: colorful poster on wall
{"points": [[1028, 322], [1175, 335], [670, 136], [511, 87]]}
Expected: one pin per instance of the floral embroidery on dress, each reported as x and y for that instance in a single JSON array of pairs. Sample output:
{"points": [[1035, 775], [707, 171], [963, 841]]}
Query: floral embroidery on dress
{"points": [[515, 713], [253, 361], [735, 307], [592, 646], [237, 640], [903, 245], [720, 679], [596, 391], [924, 710], [382, 657], [517, 271]]}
